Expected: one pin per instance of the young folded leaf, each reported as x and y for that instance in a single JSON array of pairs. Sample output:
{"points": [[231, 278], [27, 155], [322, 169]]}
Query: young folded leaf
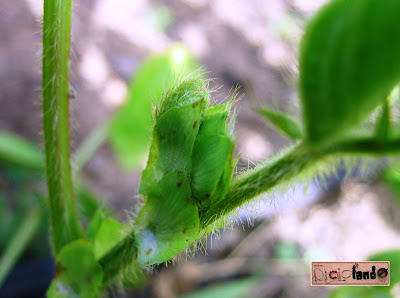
{"points": [[349, 59], [282, 122], [175, 132]]}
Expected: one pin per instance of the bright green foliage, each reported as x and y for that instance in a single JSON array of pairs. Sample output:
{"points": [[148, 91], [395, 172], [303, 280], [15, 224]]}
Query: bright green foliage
{"points": [[77, 272], [349, 61], [190, 164], [283, 122], [168, 222], [130, 130], [18, 151], [108, 235]]}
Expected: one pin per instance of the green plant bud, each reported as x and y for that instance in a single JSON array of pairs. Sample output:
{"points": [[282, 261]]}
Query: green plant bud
{"points": [[175, 131], [190, 164], [173, 139], [169, 220]]}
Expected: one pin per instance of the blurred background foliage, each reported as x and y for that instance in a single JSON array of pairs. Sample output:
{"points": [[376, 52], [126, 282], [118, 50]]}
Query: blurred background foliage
{"points": [[125, 54]]}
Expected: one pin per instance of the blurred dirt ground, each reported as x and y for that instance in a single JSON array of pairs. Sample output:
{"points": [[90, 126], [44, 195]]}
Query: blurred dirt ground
{"points": [[251, 43]]}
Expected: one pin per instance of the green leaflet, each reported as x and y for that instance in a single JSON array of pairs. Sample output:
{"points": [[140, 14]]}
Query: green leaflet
{"points": [[349, 59], [283, 122], [77, 272], [169, 220]]}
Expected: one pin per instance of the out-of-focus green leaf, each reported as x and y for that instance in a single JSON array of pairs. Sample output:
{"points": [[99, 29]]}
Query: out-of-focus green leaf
{"points": [[130, 130], [16, 150], [286, 251], [349, 61], [77, 272], [108, 235], [283, 123], [393, 256]]}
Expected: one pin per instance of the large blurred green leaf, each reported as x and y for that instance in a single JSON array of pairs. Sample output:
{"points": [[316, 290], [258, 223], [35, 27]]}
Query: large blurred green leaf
{"points": [[131, 128], [393, 256], [349, 61]]}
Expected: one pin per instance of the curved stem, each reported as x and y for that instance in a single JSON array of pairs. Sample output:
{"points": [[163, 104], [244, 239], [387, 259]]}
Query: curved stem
{"points": [[259, 180], [55, 86]]}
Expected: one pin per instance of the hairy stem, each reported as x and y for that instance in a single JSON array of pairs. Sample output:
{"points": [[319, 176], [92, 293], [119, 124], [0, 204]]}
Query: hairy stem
{"points": [[254, 182], [55, 86]]}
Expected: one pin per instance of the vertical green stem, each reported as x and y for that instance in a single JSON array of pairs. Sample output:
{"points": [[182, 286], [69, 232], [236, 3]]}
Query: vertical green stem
{"points": [[55, 84]]}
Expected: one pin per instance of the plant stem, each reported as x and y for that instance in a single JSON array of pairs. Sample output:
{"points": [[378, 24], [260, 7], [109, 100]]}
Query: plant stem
{"points": [[18, 243], [254, 182], [65, 226]]}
